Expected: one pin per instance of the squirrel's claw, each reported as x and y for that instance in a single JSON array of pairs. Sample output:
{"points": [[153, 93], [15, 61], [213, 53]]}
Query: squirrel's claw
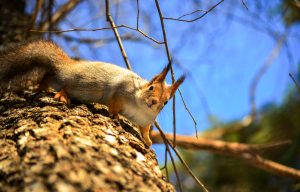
{"points": [[62, 96]]}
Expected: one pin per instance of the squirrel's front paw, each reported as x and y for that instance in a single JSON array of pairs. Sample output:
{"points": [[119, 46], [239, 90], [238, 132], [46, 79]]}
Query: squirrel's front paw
{"points": [[62, 96], [145, 131], [148, 142]]}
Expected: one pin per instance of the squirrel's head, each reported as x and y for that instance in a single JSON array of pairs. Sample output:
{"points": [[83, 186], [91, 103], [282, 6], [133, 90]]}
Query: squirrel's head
{"points": [[156, 93]]}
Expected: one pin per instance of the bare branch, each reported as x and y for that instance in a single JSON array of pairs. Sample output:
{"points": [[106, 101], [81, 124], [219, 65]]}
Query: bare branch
{"points": [[193, 12], [113, 25], [60, 13], [99, 29], [189, 112], [165, 166], [292, 77], [169, 60], [190, 142], [248, 153], [138, 14], [273, 55], [197, 18], [101, 41], [37, 8], [174, 167], [167, 142], [245, 4]]}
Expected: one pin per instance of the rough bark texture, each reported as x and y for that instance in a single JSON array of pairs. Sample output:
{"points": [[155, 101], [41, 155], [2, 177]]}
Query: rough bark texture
{"points": [[48, 146]]}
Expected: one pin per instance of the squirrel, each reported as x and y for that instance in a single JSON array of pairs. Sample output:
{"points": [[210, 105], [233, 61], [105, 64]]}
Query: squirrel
{"points": [[123, 91]]}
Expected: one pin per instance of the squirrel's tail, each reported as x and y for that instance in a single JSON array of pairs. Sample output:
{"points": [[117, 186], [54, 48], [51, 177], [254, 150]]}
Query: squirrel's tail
{"points": [[26, 64]]}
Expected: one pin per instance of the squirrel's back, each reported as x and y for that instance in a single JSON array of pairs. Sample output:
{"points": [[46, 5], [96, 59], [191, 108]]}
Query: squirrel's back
{"points": [[105, 78]]}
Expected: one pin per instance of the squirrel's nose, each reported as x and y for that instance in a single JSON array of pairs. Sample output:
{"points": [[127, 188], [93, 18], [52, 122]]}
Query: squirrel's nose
{"points": [[154, 101]]}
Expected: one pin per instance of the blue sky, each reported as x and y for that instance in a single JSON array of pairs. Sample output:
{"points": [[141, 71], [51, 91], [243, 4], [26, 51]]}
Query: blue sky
{"points": [[220, 53]]}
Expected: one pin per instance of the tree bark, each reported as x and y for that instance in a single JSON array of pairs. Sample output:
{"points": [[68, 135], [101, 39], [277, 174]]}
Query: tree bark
{"points": [[13, 21], [48, 146]]}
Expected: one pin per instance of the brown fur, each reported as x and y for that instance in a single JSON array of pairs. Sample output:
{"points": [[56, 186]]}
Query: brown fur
{"points": [[29, 63]]}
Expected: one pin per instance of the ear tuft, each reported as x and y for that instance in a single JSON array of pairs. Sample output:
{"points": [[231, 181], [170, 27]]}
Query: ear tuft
{"points": [[181, 79], [177, 84], [162, 75]]}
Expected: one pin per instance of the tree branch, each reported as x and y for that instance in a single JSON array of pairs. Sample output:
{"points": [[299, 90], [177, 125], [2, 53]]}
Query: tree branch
{"points": [[167, 144], [101, 41], [37, 8], [172, 72], [100, 29], [113, 25], [60, 13], [248, 153], [270, 59], [294, 80], [197, 18]]}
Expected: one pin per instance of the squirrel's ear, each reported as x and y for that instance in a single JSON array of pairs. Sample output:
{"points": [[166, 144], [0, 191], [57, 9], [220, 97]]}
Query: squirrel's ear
{"points": [[161, 77], [175, 86]]}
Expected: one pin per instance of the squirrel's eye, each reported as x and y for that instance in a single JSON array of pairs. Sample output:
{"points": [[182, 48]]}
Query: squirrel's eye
{"points": [[151, 88], [165, 102]]}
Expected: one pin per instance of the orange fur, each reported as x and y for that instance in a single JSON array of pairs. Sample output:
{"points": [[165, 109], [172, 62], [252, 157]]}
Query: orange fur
{"points": [[145, 131], [115, 106]]}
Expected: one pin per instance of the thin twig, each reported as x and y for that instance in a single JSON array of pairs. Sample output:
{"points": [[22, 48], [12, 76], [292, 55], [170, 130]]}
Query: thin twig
{"points": [[248, 153], [37, 7], [174, 167], [99, 29], [298, 87], [113, 25], [196, 85], [172, 159], [189, 112], [189, 170], [197, 18], [138, 14], [49, 18], [245, 4], [166, 167], [127, 36], [191, 13], [166, 141], [270, 59], [169, 60], [60, 13], [203, 100]]}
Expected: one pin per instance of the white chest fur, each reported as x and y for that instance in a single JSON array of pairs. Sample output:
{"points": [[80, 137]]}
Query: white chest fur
{"points": [[137, 115]]}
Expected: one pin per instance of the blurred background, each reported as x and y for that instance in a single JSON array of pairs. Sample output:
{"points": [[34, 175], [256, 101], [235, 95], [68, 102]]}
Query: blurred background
{"points": [[237, 59]]}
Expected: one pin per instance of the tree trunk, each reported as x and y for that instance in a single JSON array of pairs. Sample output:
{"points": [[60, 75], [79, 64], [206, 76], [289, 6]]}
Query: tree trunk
{"points": [[48, 146]]}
